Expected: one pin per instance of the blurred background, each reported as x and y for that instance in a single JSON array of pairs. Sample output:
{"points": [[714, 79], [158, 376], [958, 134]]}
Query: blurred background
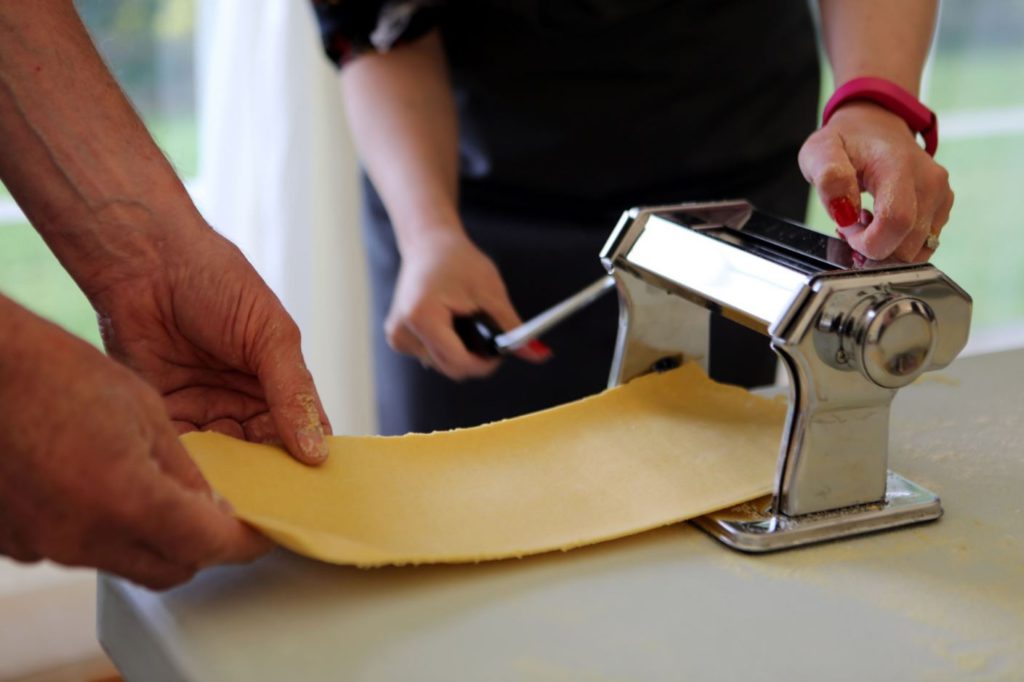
{"points": [[244, 105], [149, 44], [975, 82]]}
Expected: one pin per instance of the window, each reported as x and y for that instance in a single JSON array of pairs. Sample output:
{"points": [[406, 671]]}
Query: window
{"points": [[148, 44], [977, 88]]}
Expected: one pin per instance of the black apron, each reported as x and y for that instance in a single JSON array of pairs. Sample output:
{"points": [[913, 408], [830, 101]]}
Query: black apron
{"points": [[571, 112]]}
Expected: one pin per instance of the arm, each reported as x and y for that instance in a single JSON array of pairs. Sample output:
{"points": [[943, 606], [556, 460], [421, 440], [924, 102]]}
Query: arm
{"points": [[403, 119], [866, 147], [177, 303], [91, 472], [879, 38]]}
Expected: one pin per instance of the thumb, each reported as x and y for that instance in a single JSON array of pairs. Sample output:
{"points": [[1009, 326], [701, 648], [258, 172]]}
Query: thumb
{"points": [[174, 461], [826, 164], [295, 406]]}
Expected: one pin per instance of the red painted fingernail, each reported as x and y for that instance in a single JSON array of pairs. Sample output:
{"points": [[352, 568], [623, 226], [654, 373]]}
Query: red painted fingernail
{"points": [[866, 216], [536, 346], [842, 211]]}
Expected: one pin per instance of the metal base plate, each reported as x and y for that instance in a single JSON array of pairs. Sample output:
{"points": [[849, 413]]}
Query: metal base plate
{"points": [[752, 527]]}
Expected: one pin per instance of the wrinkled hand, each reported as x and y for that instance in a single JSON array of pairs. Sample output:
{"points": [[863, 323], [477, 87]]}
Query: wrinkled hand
{"points": [[866, 148], [448, 277], [91, 472], [207, 332]]}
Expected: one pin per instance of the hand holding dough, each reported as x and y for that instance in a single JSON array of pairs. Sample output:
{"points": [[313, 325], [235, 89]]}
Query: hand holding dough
{"points": [[661, 449]]}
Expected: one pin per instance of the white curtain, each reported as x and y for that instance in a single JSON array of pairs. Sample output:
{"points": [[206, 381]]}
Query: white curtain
{"points": [[278, 177]]}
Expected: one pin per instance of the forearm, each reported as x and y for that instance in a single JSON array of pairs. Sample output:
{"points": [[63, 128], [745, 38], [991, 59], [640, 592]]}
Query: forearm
{"points": [[884, 38], [403, 120], [76, 157]]}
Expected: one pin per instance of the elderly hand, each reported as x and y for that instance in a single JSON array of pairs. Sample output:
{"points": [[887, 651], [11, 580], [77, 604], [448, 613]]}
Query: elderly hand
{"points": [[867, 148], [447, 277], [91, 472], [204, 329]]}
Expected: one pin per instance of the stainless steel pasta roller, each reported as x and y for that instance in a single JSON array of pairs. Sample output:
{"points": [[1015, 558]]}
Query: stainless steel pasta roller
{"points": [[849, 334]]}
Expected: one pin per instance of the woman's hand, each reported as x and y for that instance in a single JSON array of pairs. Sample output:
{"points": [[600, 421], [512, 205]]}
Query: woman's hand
{"points": [[91, 472], [867, 148], [204, 329], [447, 277]]}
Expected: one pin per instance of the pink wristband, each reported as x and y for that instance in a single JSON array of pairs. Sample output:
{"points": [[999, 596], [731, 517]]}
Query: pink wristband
{"points": [[920, 118]]}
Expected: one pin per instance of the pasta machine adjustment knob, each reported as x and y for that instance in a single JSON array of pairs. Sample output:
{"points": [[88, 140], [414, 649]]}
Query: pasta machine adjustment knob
{"points": [[891, 339]]}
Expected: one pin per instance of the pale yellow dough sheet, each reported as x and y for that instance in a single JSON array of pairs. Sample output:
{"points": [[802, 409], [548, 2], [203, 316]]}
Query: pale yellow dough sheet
{"points": [[663, 448]]}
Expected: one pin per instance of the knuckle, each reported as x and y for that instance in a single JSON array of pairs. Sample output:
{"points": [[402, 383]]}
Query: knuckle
{"points": [[420, 314], [208, 553], [906, 251], [124, 515], [416, 320], [393, 323], [490, 271], [902, 158], [14, 541], [443, 361], [936, 180], [200, 542], [875, 253], [503, 315], [871, 247], [165, 580], [19, 550], [290, 332], [946, 209], [458, 375], [63, 542], [895, 218], [192, 552], [475, 370], [832, 174], [451, 367], [819, 138], [805, 151], [21, 555], [392, 334], [283, 332], [818, 145], [488, 370]]}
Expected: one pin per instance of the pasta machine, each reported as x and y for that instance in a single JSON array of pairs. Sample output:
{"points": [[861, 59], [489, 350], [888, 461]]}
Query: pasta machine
{"points": [[849, 334]]}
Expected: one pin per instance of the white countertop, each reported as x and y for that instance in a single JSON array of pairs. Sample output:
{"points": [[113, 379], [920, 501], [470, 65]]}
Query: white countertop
{"points": [[934, 602]]}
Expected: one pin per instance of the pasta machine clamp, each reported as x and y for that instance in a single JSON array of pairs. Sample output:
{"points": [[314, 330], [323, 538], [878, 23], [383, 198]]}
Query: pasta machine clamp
{"points": [[849, 334]]}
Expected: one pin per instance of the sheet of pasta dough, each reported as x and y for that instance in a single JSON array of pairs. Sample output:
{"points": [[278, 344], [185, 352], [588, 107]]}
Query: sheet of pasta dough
{"points": [[661, 449]]}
